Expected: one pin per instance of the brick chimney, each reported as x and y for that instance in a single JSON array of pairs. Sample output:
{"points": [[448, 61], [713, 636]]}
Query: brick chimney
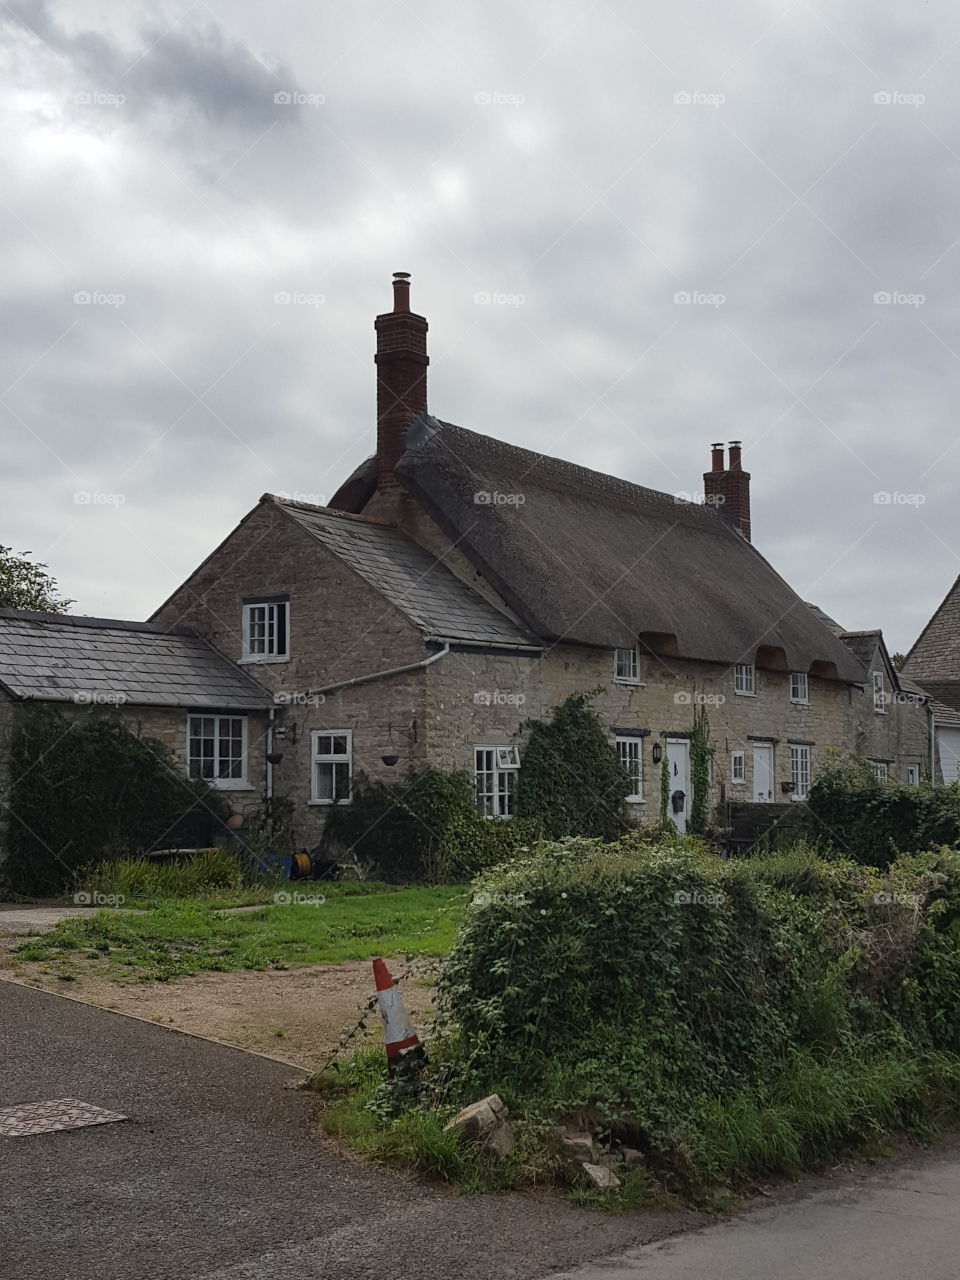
{"points": [[401, 362], [729, 488]]}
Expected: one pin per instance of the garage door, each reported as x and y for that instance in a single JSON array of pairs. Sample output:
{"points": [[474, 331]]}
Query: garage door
{"points": [[948, 741]]}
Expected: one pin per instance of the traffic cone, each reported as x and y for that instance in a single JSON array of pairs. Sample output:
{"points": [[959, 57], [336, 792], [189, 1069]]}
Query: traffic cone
{"points": [[399, 1036]]}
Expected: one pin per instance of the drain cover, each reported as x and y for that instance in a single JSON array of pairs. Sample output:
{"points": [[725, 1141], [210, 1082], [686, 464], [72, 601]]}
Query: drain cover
{"points": [[49, 1117]]}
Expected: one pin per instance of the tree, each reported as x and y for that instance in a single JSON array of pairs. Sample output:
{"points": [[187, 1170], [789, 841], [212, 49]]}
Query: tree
{"points": [[898, 660], [26, 585]]}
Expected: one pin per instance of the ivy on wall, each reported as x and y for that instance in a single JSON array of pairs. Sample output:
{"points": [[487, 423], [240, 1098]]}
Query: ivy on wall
{"points": [[86, 787], [571, 781], [699, 770]]}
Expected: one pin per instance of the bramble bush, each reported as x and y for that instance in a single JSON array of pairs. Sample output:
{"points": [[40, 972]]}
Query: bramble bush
{"points": [[873, 822], [729, 1018]]}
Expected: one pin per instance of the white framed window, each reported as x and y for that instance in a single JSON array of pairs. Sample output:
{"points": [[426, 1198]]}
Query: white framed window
{"points": [[217, 750], [880, 770], [913, 775], [879, 693], [630, 755], [738, 768], [799, 687], [266, 630], [495, 770], [744, 681], [800, 771], [626, 666], [331, 766]]}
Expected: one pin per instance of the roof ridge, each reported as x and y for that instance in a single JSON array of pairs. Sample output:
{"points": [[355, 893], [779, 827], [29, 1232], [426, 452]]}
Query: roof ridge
{"points": [[296, 505], [573, 472], [99, 624]]}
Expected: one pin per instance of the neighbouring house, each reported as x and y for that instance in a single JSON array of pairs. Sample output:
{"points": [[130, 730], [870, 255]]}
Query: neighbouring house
{"points": [[457, 586], [165, 682], [934, 663]]}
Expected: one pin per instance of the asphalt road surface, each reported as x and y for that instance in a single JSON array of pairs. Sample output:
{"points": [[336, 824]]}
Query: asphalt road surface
{"points": [[217, 1176]]}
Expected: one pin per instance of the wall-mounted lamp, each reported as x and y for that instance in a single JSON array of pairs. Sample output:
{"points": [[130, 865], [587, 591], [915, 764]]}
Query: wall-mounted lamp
{"points": [[288, 732], [657, 753]]}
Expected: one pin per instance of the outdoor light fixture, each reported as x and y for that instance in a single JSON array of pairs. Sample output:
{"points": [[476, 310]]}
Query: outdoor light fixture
{"points": [[657, 753]]}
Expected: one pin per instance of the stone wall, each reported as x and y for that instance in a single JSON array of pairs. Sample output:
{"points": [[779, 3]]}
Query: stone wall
{"points": [[340, 628]]}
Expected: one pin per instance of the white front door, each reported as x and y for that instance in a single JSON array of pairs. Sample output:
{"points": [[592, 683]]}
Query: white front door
{"points": [[948, 740], [762, 772], [678, 768]]}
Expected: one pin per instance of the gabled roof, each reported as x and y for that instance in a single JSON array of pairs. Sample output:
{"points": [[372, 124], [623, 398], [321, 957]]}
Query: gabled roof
{"points": [[864, 644], [936, 653], [54, 657], [439, 603], [594, 560]]}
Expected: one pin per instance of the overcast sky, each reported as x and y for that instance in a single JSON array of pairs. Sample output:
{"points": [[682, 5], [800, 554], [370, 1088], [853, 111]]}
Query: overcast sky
{"points": [[553, 174]]}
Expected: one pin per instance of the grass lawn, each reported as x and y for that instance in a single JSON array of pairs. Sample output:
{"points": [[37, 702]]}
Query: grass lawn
{"points": [[184, 936]]}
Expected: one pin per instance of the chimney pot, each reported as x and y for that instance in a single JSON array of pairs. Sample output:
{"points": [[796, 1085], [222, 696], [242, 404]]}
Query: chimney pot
{"points": [[716, 462], [401, 291], [735, 450]]}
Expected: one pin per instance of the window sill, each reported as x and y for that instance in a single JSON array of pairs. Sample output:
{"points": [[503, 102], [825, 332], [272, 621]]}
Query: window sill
{"points": [[328, 804], [633, 684], [236, 784], [634, 799], [799, 702], [744, 693], [257, 661]]}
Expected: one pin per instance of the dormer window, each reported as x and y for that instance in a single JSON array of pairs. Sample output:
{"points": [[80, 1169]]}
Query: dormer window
{"points": [[266, 630], [744, 681], [799, 687], [626, 666]]}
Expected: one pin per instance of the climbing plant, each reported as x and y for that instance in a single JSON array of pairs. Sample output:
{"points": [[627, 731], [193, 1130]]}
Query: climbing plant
{"points": [[664, 791], [571, 782], [87, 787], [699, 770]]}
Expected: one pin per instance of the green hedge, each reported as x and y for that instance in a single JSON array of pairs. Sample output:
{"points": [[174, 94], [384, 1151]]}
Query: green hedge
{"points": [[731, 1017], [423, 828], [86, 787], [873, 822]]}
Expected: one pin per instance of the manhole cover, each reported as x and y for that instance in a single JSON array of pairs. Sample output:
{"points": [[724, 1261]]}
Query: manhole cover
{"points": [[49, 1117]]}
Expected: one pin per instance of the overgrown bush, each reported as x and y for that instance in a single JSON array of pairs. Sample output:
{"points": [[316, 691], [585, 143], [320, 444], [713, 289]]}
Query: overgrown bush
{"points": [[203, 873], [423, 828], [86, 787], [571, 782], [729, 1018], [873, 822]]}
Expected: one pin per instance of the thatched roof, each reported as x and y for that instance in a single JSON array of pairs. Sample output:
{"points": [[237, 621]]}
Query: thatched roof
{"points": [[590, 559]]}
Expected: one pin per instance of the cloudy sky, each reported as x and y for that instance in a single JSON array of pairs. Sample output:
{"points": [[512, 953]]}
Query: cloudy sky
{"points": [[560, 177]]}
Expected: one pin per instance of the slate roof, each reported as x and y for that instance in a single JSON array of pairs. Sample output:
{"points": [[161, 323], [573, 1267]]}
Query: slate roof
{"points": [[441, 604], [594, 560], [57, 658], [936, 654]]}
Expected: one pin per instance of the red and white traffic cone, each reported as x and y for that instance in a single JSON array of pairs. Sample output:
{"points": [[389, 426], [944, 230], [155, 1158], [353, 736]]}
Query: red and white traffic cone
{"points": [[399, 1036]]}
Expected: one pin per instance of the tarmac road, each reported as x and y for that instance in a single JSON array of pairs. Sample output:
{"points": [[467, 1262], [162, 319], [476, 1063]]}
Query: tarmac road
{"points": [[216, 1175]]}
